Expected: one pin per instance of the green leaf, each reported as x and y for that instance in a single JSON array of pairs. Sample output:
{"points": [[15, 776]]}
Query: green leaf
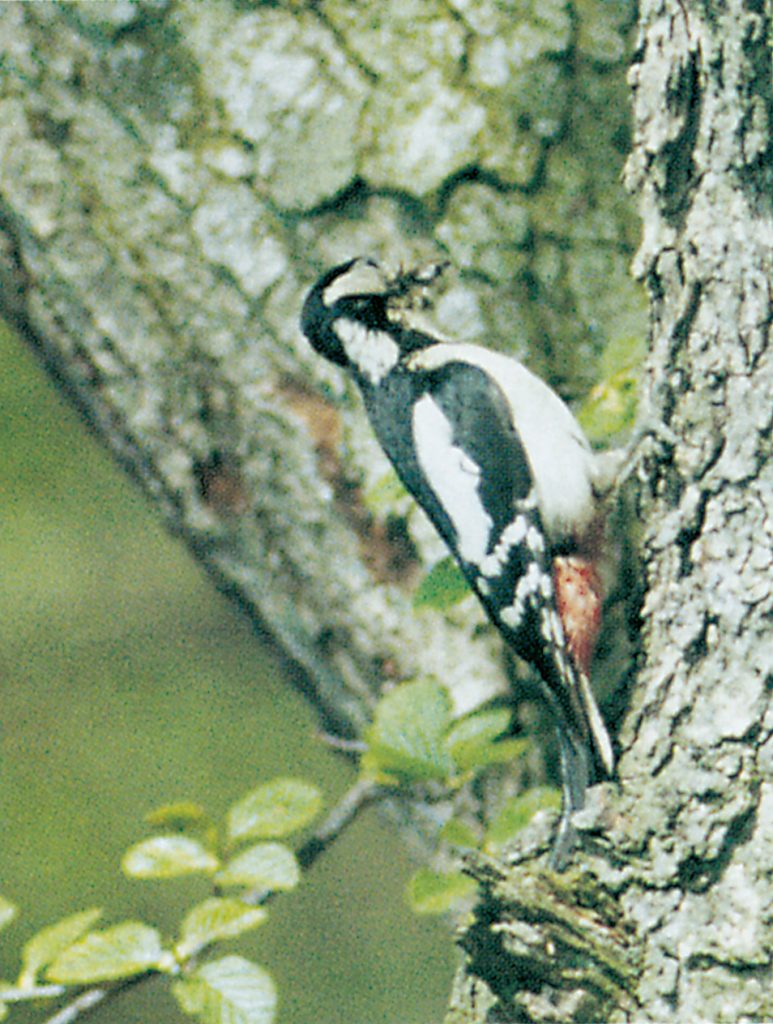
{"points": [[504, 751], [265, 866], [49, 943], [274, 810], [442, 587], [407, 736], [435, 892], [228, 991], [168, 857], [472, 739], [120, 952], [623, 352], [215, 920], [7, 912], [3, 1011], [178, 816], [459, 833], [518, 812]]}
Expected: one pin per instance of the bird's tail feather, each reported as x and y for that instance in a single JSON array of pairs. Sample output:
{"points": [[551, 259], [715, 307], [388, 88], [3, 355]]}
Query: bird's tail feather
{"points": [[597, 731], [577, 754]]}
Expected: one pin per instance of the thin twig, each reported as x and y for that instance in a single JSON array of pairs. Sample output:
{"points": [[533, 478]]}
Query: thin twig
{"points": [[339, 743], [94, 997], [19, 995], [362, 794], [83, 1003]]}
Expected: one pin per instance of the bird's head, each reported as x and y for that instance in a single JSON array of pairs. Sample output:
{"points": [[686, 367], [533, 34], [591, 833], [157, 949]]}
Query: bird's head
{"points": [[353, 293], [360, 318]]}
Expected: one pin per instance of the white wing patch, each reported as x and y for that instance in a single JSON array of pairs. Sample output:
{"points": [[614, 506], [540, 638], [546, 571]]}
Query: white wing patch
{"points": [[493, 564], [373, 353], [454, 478], [559, 456]]}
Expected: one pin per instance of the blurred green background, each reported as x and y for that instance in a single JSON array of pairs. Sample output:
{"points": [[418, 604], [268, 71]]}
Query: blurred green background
{"points": [[127, 682]]}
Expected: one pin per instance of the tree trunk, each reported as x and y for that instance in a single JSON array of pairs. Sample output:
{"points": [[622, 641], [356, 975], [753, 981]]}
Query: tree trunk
{"points": [[672, 920]]}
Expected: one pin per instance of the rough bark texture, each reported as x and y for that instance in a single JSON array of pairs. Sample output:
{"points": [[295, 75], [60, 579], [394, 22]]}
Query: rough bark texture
{"points": [[689, 933], [701, 725]]}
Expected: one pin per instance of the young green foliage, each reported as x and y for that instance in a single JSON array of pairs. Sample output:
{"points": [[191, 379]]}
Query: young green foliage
{"points": [[459, 834], [414, 738], [213, 921], [51, 942], [273, 810], [386, 493], [518, 812], [228, 991], [182, 816], [270, 866], [407, 739], [436, 892], [443, 587], [119, 952], [7, 912], [474, 741], [610, 408], [168, 857]]}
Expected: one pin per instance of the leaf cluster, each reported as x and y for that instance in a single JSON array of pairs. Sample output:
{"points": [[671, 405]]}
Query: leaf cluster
{"points": [[414, 747], [245, 863]]}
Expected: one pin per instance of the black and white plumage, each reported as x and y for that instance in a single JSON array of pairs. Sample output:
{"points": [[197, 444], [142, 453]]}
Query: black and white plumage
{"points": [[502, 469]]}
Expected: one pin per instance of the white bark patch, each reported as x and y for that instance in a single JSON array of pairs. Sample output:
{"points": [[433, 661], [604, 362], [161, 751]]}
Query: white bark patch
{"points": [[454, 478], [373, 353]]}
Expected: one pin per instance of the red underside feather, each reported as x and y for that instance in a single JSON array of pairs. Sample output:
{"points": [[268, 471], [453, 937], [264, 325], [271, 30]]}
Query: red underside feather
{"points": [[578, 597]]}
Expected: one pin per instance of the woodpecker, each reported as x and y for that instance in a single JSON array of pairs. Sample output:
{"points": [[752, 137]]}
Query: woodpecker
{"points": [[502, 469]]}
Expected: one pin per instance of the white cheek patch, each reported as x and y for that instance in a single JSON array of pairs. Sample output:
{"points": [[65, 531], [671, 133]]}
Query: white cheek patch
{"points": [[454, 478], [373, 353]]}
